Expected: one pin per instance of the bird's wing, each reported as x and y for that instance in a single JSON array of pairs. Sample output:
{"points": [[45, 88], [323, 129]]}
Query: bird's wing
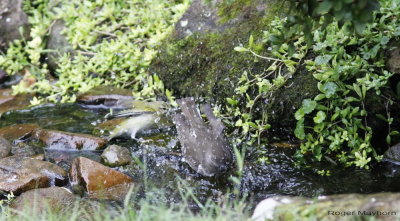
{"points": [[189, 110], [215, 123]]}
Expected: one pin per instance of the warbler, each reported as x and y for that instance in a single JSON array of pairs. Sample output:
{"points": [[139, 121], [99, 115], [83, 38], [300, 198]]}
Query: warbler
{"points": [[142, 116]]}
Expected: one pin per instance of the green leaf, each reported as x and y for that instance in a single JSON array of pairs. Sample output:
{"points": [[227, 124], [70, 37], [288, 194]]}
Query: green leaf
{"points": [[330, 89], [299, 131], [299, 114], [320, 117], [309, 105], [240, 49], [251, 41], [323, 59], [324, 7]]}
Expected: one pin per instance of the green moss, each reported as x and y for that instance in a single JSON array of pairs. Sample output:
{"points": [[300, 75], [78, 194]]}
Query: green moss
{"points": [[206, 64]]}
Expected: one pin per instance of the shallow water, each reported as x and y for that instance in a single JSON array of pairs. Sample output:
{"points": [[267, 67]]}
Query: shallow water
{"points": [[158, 163]]}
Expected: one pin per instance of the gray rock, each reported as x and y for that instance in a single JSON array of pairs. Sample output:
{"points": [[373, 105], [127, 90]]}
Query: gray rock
{"points": [[58, 44], [202, 17], [393, 154], [116, 156], [393, 60], [5, 148], [12, 18]]}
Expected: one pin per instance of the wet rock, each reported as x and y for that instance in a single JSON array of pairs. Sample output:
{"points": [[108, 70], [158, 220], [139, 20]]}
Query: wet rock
{"points": [[53, 199], [393, 154], [17, 131], [66, 156], [106, 97], [204, 147], [116, 156], [12, 19], [58, 44], [26, 150], [3, 76], [19, 174], [5, 148], [17, 102], [58, 200], [65, 140], [393, 60], [99, 181], [5, 95], [9, 81], [380, 206]]}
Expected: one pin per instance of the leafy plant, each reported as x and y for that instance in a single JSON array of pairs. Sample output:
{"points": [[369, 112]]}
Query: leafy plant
{"points": [[114, 42]]}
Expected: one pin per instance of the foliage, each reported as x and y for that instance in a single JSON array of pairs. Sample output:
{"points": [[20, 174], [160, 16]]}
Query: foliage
{"points": [[334, 124], [243, 109], [304, 17], [114, 41], [349, 68]]}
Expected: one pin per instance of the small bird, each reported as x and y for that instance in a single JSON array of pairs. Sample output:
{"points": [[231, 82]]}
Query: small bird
{"points": [[142, 116], [204, 147]]}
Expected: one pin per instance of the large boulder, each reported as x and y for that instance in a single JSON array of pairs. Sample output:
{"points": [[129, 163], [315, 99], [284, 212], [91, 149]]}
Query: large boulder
{"points": [[380, 206], [19, 174], [99, 181], [12, 18], [199, 59]]}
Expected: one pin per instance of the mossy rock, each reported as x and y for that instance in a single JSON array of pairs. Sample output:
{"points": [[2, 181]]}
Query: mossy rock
{"points": [[202, 61]]}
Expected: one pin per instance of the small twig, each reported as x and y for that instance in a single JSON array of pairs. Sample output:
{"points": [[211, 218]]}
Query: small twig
{"points": [[263, 57]]}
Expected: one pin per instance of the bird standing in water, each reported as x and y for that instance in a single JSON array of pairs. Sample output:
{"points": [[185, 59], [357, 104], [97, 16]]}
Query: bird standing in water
{"points": [[204, 147], [142, 116]]}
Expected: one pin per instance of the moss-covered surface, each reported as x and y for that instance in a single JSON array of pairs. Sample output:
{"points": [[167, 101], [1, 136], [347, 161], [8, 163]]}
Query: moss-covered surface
{"points": [[206, 64], [342, 207]]}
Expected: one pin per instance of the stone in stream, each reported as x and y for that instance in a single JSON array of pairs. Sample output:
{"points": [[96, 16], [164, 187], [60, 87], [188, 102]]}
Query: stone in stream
{"points": [[19, 174], [106, 97], [17, 131], [58, 200], [65, 140], [115, 156], [26, 150], [204, 147], [393, 154], [6, 95], [52, 199], [18, 102], [99, 181], [5, 148], [379, 206]]}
